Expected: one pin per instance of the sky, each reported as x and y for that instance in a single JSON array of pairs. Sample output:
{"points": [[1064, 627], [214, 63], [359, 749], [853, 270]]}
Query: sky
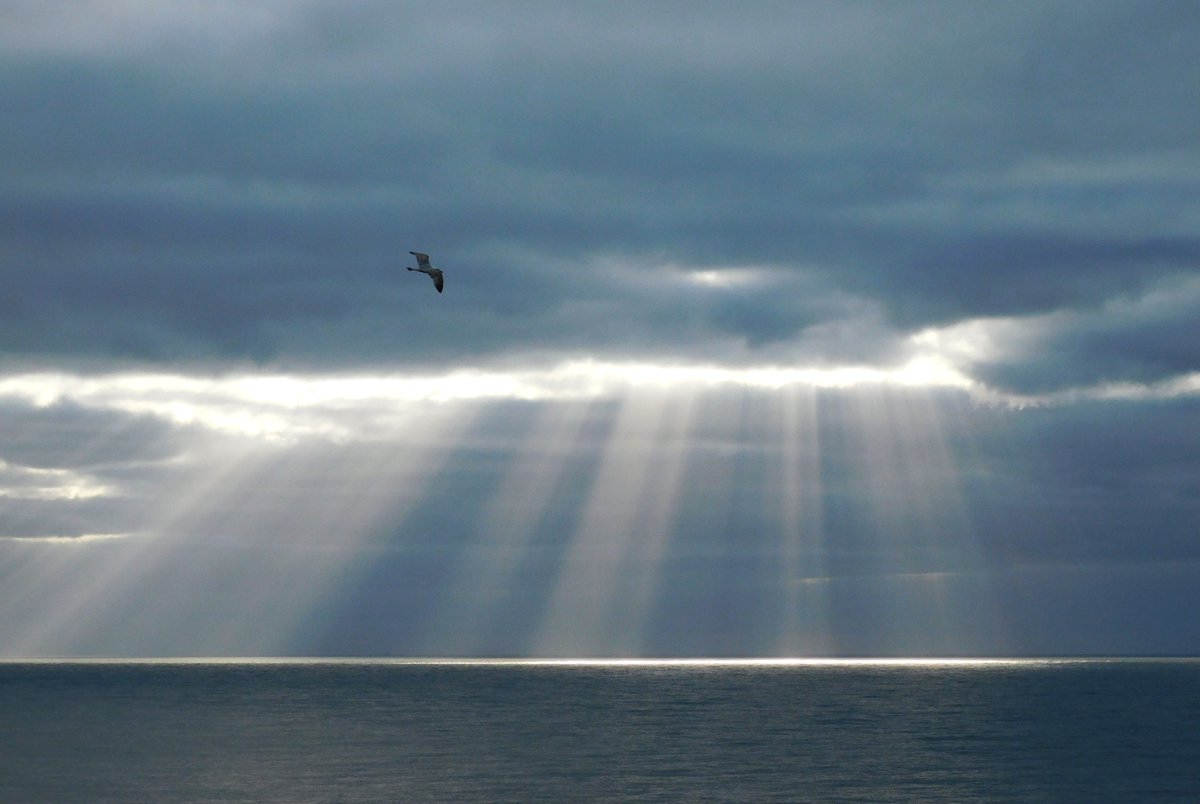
{"points": [[769, 329]]}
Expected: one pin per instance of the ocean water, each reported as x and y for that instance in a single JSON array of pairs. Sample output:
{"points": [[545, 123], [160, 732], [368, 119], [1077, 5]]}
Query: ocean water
{"points": [[1124, 730]]}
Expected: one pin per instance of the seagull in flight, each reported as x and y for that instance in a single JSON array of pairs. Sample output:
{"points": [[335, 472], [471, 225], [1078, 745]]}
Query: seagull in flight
{"points": [[424, 267]]}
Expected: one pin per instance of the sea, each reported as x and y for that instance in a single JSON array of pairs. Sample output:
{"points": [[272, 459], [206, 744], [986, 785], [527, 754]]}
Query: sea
{"points": [[1072, 730]]}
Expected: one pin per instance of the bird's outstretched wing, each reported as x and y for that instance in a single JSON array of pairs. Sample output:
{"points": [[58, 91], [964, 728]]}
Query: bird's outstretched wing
{"points": [[422, 259], [437, 279]]}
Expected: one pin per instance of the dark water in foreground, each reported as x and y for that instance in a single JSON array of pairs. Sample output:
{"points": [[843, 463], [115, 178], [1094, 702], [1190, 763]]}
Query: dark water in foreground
{"points": [[1056, 731]]}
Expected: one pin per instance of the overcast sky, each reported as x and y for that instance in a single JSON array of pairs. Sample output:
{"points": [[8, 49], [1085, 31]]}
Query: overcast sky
{"points": [[768, 328]]}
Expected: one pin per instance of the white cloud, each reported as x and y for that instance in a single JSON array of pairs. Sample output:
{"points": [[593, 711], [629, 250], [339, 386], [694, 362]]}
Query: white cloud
{"points": [[32, 483], [69, 540], [351, 406]]}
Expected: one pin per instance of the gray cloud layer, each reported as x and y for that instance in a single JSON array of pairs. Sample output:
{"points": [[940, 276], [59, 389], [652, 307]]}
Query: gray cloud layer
{"points": [[243, 184]]}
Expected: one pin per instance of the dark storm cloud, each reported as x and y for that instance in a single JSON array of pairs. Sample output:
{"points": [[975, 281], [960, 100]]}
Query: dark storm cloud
{"points": [[243, 184], [1152, 338]]}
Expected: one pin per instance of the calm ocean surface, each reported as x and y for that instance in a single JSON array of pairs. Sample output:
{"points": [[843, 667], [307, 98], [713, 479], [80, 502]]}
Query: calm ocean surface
{"points": [[1125, 730]]}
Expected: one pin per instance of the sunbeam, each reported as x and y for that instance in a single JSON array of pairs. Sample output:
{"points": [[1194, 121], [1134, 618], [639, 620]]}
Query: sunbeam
{"points": [[486, 582], [911, 525], [593, 510], [610, 562], [246, 546], [805, 623]]}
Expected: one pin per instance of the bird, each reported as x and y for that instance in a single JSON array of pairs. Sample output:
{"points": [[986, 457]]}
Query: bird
{"points": [[424, 267]]}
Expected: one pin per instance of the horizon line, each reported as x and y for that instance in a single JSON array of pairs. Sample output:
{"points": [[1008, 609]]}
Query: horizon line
{"points": [[501, 661]]}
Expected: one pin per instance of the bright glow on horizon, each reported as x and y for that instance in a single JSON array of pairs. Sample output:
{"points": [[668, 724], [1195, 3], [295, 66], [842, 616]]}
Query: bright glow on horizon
{"points": [[289, 406], [344, 407]]}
